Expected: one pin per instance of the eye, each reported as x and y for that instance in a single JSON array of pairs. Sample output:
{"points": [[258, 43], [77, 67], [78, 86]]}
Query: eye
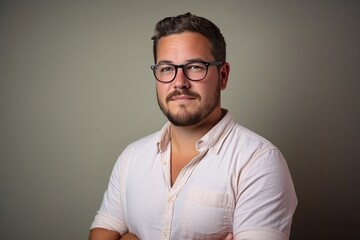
{"points": [[165, 68], [195, 67]]}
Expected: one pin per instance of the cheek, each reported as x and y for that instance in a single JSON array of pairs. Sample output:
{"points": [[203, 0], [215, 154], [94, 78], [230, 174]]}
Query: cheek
{"points": [[161, 92], [209, 92]]}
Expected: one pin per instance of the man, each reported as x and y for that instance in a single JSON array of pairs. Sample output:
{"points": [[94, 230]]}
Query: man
{"points": [[202, 176]]}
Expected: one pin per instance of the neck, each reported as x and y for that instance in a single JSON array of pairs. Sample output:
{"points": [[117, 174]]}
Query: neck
{"points": [[184, 138]]}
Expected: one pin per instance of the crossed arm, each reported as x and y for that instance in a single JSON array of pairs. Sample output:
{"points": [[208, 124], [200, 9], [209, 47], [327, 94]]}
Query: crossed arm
{"points": [[269, 200], [103, 234]]}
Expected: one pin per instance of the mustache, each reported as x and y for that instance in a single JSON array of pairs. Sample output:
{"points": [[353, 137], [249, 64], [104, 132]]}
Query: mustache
{"points": [[185, 92]]}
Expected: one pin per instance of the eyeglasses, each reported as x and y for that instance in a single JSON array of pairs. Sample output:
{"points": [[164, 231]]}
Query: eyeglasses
{"points": [[194, 71]]}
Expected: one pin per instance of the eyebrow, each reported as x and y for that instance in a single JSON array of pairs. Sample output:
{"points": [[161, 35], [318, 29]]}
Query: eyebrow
{"points": [[188, 61]]}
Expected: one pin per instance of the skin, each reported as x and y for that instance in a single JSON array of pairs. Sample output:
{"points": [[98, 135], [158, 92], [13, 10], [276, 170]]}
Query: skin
{"points": [[190, 103], [197, 107], [192, 111], [103, 234]]}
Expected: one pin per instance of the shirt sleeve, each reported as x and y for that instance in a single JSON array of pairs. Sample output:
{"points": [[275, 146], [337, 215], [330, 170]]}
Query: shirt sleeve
{"points": [[266, 200], [111, 215]]}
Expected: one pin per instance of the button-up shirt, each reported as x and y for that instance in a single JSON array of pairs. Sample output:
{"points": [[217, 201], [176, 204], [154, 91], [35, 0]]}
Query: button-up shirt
{"points": [[238, 183]]}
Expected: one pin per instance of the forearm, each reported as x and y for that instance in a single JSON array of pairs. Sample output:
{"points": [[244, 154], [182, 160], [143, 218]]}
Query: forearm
{"points": [[129, 236], [103, 234]]}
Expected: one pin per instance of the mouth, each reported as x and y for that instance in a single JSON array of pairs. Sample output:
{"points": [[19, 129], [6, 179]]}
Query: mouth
{"points": [[182, 98]]}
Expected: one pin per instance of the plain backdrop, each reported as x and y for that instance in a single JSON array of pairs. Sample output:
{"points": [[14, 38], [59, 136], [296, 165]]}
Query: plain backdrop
{"points": [[76, 88]]}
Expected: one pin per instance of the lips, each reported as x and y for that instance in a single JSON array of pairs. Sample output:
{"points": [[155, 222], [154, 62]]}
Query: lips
{"points": [[182, 97]]}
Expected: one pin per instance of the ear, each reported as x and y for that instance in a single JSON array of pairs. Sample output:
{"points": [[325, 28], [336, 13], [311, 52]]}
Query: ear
{"points": [[224, 75]]}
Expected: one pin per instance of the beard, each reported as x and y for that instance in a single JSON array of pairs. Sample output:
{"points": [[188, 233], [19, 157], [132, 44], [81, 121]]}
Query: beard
{"points": [[185, 118]]}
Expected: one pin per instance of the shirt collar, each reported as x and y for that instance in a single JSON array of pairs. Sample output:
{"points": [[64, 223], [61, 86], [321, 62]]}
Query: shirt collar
{"points": [[212, 140]]}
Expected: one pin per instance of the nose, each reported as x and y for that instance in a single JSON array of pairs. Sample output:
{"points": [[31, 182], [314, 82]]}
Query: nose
{"points": [[181, 81]]}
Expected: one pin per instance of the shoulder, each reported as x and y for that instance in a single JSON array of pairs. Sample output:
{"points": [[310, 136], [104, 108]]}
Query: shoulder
{"points": [[248, 150], [236, 134], [251, 139], [146, 142], [135, 152]]}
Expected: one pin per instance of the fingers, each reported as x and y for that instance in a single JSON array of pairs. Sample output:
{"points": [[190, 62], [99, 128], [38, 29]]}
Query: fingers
{"points": [[230, 236]]}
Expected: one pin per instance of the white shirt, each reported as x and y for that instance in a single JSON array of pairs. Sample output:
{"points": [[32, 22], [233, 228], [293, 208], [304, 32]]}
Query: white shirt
{"points": [[238, 183]]}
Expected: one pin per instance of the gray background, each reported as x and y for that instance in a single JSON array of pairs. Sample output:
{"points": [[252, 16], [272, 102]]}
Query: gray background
{"points": [[76, 88]]}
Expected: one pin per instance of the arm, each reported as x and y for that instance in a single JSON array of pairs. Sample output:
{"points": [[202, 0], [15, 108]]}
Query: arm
{"points": [[103, 234], [109, 222], [129, 236], [266, 200]]}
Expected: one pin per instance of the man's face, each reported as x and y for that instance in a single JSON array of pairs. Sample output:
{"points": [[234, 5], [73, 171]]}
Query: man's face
{"points": [[185, 102]]}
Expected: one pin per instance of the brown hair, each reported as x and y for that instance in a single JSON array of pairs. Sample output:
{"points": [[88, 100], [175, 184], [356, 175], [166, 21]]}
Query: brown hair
{"points": [[191, 23]]}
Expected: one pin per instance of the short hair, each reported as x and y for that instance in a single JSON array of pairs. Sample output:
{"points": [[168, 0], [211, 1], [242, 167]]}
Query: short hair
{"points": [[191, 23]]}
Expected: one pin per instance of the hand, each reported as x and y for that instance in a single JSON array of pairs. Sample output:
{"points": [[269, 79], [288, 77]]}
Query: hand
{"points": [[230, 236], [129, 236]]}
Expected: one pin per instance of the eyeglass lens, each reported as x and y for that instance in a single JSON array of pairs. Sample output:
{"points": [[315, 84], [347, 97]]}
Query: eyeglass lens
{"points": [[194, 71]]}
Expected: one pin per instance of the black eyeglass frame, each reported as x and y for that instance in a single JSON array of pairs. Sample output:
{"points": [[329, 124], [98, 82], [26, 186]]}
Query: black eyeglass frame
{"points": [[182, 66]]}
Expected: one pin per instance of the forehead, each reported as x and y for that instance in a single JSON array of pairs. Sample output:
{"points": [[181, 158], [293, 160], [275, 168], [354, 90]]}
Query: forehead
{"points": [[183, 47]]}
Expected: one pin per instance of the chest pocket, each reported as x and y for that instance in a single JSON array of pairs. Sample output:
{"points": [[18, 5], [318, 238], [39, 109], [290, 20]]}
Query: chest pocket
{"points": [[207, 214]]}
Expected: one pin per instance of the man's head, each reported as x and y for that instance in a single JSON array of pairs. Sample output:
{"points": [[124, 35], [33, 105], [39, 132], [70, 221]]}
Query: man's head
{"points": [[191, 23], [190, 70]]}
